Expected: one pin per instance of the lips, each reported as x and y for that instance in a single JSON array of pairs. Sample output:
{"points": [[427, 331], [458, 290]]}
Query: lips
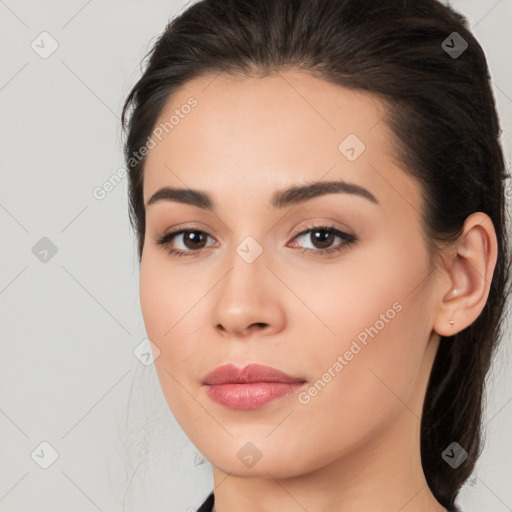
{"points": [[231, 374], [251, 387]]}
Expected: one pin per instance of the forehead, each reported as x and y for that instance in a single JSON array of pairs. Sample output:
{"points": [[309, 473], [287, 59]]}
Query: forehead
{"points": [[265, 133]]}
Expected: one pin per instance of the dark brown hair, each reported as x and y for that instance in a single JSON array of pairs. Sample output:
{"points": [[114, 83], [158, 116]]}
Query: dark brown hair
{"points": [[441, 110]]}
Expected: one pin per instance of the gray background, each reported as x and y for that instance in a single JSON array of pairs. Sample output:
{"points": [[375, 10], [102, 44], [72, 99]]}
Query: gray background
{"points": [[70, 324]]}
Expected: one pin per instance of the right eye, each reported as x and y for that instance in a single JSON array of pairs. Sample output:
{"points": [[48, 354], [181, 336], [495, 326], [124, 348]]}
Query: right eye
{"points": [[193, 241]]}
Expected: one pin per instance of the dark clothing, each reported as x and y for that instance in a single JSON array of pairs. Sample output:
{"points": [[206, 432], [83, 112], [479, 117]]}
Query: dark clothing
{"points": [[207, 505]]}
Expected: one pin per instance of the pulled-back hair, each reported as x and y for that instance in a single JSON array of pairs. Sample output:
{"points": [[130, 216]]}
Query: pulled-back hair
{"points": [[442, 113]]}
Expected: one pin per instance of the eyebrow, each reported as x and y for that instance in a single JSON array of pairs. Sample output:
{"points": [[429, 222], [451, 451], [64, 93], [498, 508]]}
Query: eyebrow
{"points": [[293, 195]]}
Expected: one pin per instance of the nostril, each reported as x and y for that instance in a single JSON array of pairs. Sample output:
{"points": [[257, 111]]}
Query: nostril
{"points": [[258, 324]]}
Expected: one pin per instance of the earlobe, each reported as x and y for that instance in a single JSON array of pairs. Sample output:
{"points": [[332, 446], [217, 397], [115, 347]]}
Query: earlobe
{"points": [[470, 272]]}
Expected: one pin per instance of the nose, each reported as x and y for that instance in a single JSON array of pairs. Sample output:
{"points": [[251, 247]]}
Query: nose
{"points": [[247, 300]]}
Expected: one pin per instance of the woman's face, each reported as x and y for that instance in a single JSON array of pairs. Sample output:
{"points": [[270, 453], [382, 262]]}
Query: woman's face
{"points": [[256, 283]]}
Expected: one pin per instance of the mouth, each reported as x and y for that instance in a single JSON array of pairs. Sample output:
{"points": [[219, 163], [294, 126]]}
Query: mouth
{"points": [[250, 387]]}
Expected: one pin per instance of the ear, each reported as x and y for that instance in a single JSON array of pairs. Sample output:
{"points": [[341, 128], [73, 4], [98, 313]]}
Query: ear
{"points": [[469, 269]]}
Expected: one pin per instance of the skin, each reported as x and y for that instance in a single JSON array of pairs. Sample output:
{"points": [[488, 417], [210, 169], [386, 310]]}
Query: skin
{"points": [[355, 446]]}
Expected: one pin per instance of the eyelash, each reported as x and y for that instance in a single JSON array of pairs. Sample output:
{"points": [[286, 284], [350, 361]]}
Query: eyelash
{"points": [[166, 240]]}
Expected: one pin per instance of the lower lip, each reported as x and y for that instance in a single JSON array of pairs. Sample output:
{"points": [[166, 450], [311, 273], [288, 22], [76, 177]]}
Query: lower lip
{"points": [[250, 396]]}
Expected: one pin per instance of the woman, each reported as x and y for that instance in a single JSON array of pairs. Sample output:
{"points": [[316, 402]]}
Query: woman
{"points": [[317, 190]]}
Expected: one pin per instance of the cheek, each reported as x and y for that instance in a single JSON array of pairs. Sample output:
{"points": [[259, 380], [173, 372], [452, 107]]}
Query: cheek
{"points": [[165, 295], [378, 316], [373, 380], [171, 322], [366, 286], [357, 388], [169, 305], [155, 300]]}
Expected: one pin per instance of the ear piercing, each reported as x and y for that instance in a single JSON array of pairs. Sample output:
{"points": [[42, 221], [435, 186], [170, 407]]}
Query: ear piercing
{"points": [[451, 322]]}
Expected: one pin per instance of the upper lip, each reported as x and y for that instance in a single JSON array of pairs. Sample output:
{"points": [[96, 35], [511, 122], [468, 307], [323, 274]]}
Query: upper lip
{"points": [[230, 373]]}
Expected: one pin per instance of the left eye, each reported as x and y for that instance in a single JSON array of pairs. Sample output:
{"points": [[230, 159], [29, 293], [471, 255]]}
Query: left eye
{"points": [[321, 237]]}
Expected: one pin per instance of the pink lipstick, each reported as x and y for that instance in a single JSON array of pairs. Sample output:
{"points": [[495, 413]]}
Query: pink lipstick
{"points": [[250, 387]]}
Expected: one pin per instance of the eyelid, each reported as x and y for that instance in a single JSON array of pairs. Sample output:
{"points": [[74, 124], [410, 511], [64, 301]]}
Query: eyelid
{"points": [[348, 239], [172, 233], [308, 225], [185, 226], [322, 223]]}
